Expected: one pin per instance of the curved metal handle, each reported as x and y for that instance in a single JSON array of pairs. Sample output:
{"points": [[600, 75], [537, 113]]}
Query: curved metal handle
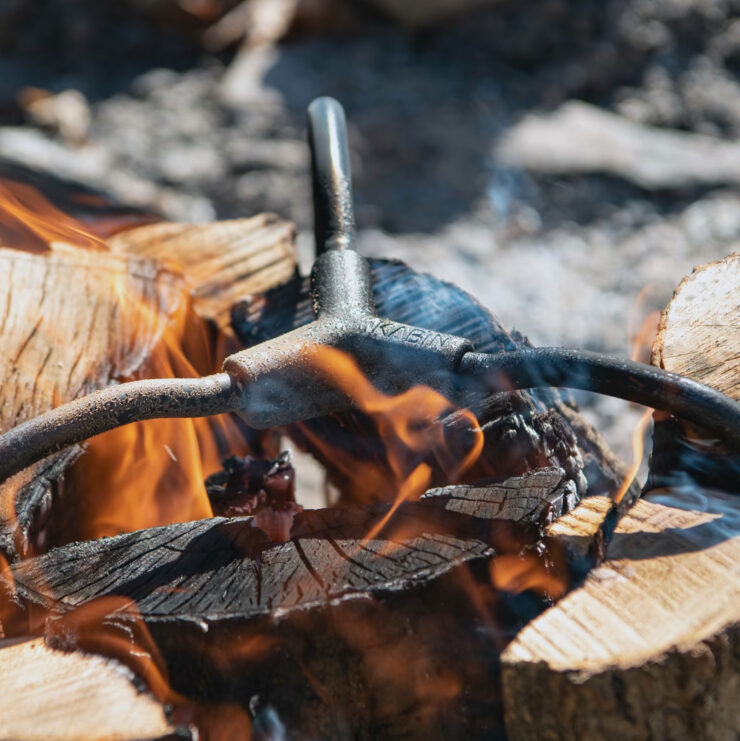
{"points": [[542, 367], [334, 214]]}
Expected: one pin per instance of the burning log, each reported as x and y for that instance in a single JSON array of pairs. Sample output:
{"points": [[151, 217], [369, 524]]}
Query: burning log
{"points": [[386, 615], [522, 430], [650, 641], [399, 620], [126, 317], [333, 633]]}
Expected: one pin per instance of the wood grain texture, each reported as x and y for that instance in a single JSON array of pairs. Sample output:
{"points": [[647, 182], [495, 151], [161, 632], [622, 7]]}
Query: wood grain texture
{"points": [[649, 646], [699, 332], [226, 569], [66, 332], [49, 695], [223, 262], [74, 320], [538, 497]]}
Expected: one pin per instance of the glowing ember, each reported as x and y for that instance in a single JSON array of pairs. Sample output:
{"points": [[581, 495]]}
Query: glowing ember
{"points": [[263, 489]]}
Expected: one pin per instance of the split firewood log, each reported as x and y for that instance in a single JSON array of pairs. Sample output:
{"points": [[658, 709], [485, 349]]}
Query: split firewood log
{"points": [[50, 695], [76, 319], [698, 336], [60, 344], [648, 646], [223, 261]]}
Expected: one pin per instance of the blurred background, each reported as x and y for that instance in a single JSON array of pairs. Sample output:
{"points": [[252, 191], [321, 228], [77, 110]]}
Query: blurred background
{"points": [[565, 161]]}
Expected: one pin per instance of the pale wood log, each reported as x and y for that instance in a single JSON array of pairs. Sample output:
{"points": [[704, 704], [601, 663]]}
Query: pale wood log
{"points": [[224, 262], [49, 695], [74, 320], [64, 335], [649, 646], [699, 332], [699, 336]]}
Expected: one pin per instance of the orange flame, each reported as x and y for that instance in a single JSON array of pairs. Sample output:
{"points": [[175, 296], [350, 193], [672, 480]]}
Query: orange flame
{"points": [[112, 626], [409, 426], [641, 340], [641, 332], [29, 222], [152, 473], [638, 448], [145, 474], [520, 572]]}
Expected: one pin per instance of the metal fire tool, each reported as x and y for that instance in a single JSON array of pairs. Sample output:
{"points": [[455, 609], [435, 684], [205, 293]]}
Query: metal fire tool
{"points": [[277, 382]]}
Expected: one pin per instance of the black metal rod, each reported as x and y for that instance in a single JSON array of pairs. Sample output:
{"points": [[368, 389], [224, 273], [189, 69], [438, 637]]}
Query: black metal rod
{"points": [[539, 367], [334, 217], [113, 407], [340, 279]]}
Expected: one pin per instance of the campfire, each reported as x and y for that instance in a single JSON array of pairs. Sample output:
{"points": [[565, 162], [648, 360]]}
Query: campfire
{"points": [[472, 578]]}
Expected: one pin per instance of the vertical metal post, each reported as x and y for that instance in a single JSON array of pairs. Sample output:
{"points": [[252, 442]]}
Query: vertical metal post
{"points": [[341, 281], [334, 217]]}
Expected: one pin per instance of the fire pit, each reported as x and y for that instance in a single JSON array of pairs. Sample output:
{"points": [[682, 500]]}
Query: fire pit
{"points": [[276, 383], [385, 616]]}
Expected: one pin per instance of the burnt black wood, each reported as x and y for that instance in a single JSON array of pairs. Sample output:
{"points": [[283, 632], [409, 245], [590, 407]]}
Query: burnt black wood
{"points": [[224, 569], [389, 631]]}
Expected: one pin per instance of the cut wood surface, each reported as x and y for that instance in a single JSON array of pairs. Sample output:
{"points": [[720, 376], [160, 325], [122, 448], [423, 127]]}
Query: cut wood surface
{"points": [[64, 335], [537, 497], [49, 695], [227, 569], [699, 332], [649, 646]]}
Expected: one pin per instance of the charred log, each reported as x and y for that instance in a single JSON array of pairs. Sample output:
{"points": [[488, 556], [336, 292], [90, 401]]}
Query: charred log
{"points": [[333, 634]]}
